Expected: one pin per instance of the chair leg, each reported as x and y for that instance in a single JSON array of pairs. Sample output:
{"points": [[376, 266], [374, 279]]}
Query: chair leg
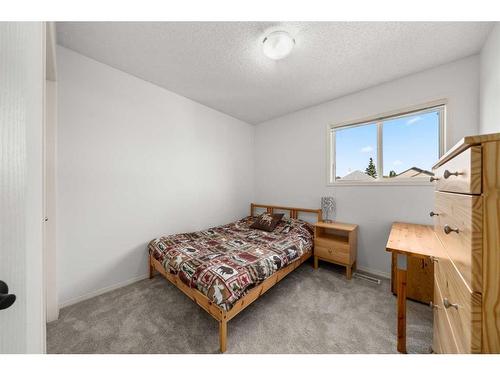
{"points": [[223, 335], [151, 268], [401, 304]]}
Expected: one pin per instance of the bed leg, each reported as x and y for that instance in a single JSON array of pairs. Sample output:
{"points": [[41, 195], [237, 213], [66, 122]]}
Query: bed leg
{"points": [[151, 268], [223, 335]]}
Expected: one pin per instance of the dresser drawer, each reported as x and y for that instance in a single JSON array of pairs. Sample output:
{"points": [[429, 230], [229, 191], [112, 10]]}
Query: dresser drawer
{"points": [[443, 341], [463, 307], [336, 254], [462, 174], [458, 224]]}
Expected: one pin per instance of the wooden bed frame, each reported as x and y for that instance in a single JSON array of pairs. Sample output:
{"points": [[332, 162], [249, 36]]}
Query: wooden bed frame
{"points": [[252, 294]]}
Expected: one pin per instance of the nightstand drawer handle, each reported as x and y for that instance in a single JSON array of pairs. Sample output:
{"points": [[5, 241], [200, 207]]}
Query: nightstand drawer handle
{"points": [[330, 251]]}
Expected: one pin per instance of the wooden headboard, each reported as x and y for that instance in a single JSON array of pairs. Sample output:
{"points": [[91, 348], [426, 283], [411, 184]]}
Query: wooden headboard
{"points": [[294, 211]]}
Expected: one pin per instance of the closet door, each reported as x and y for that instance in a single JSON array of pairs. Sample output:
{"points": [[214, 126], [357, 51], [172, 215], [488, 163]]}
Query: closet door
{"points": [[22, 75]]}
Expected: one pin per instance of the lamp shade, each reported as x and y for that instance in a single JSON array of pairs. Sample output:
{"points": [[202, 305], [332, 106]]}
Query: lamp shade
{"points": [[327, 206]]}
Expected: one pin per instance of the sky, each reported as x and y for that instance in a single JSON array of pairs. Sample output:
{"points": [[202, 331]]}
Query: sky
{"points": [[411, 141]]}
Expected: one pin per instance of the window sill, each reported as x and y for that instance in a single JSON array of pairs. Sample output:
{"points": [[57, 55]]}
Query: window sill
{"points": [[380, 183]]}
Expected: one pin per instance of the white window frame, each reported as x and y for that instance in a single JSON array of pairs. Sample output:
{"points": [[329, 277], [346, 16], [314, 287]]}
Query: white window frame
{"points": [[378, 119]]}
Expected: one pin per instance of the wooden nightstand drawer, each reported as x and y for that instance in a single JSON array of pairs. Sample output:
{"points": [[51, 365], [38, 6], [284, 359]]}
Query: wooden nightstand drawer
{"points": [[340, 244], [334, 254]]}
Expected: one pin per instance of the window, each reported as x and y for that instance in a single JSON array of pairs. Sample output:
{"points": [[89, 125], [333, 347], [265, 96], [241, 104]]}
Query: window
{"points": [[396, 148]]}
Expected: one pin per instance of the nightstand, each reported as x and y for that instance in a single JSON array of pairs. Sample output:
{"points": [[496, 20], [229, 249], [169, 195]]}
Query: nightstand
{"points": [[336, 243]]}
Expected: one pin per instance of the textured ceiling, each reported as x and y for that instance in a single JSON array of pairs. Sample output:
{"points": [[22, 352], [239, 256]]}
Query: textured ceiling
{"points": [[221, 64]]}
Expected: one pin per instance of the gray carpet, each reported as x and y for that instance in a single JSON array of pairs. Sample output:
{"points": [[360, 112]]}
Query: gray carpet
{"points": [[307, 312]]}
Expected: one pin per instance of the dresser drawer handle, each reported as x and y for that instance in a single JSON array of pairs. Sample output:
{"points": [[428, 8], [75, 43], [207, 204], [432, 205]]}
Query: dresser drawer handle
{"points": [[447, 304], [447, 229], [433, 179], [447, 174], [330, 251], [432, 213]]}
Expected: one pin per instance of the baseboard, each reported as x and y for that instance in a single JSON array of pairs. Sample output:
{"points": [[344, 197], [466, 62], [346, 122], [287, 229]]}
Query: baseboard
{"points": [[98, 292], [371, 271]]}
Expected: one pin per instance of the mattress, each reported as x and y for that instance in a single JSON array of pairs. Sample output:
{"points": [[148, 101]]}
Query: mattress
{"points": [[224, 262]]}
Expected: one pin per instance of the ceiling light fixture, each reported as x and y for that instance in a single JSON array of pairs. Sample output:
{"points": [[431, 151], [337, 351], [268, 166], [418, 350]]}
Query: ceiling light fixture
{"points": [[278, 45]]}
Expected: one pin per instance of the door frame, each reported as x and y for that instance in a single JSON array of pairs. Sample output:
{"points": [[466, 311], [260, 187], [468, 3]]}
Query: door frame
{"points": [[50, 177]]}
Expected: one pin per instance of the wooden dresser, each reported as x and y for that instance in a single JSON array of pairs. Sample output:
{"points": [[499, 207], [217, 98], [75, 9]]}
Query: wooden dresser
{"points": [[466, 215]]}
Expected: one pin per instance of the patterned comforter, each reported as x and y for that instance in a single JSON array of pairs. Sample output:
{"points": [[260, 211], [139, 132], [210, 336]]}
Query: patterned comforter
{"points": [[224, 262]]}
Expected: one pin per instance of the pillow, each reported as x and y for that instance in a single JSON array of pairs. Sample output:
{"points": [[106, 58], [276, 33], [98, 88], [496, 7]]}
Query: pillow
{"points": [[267, 221]]}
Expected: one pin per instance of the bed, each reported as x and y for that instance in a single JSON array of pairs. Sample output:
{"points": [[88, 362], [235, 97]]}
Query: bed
{"points": [[226, 268]]}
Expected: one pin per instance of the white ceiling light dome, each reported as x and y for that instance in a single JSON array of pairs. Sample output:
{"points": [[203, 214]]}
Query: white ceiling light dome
{"points": [[278, 44]]}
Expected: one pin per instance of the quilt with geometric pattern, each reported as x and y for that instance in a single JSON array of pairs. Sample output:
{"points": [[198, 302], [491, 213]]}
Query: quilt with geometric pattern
{"points": [[224, 262]]}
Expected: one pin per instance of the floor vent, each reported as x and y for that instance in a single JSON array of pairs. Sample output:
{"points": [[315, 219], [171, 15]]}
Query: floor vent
{"points": [[366, 277]]}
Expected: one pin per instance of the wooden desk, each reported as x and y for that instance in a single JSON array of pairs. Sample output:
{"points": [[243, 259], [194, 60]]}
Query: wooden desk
{"points": [[406, 240]]}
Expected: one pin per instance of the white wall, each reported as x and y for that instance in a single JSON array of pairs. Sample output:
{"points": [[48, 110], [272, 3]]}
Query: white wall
{"points": [[490, 84], [291, 154], [136, 161]]}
